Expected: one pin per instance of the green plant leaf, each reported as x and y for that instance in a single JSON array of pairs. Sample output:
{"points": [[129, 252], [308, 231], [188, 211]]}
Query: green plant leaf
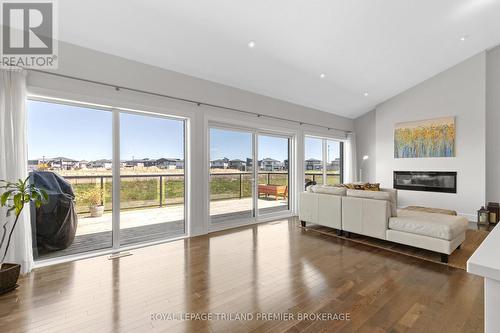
{"points": [[5, 198], [18, 202]]}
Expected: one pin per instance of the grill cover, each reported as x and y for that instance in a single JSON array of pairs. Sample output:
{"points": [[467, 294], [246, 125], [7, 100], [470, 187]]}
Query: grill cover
{"points": [[56, 221]]}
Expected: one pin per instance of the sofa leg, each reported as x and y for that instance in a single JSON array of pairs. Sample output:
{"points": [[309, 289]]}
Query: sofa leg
{"points": [[459, 246], [303, 223], [347, 234], [444, 258], [339, 232]]}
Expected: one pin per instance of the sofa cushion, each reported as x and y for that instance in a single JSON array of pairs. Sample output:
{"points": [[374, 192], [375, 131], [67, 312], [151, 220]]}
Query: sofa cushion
{"points": [[326, 189], [431, 210], [377, 195], [440, 226]]}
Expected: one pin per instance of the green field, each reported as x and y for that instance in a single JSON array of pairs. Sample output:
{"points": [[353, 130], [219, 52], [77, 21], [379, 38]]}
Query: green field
{"points": [[140, 192]]}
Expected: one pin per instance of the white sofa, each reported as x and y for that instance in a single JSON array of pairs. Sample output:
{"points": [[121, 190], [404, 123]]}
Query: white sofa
{"points": [[368, 212], [375, 214], [321, 208]]}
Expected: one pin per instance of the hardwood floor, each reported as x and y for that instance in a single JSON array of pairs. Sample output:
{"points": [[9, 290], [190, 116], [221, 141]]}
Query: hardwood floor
{"points": [[273, 267]]}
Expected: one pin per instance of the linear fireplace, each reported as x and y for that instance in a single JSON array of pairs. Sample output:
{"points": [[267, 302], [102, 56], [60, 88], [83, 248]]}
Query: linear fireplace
{"points": [[431, 181]]}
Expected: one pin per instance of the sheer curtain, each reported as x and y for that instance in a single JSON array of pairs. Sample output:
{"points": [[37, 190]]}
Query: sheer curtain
{"points": [[13, 158], [350, 172]]}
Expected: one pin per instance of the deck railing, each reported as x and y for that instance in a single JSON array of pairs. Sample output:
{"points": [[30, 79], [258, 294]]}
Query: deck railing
{"points": [[158, 190]]}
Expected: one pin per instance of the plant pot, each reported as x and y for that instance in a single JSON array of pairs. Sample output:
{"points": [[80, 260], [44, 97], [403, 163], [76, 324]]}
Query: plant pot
{"points": [[9, 273], [96, 211]]}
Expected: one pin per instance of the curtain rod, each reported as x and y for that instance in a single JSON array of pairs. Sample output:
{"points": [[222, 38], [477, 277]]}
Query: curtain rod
{"points": [[186, 100]]}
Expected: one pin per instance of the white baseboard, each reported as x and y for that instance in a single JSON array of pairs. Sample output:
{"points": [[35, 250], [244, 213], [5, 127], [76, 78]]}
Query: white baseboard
{"points": [[470, 217]]}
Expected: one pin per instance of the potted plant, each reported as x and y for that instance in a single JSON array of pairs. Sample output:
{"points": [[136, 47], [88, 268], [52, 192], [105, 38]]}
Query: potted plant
{"points": [[14, 197], [94, 198]]}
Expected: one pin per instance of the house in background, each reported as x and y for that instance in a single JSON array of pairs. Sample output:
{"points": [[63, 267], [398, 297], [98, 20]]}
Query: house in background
{"points": [[313, 164], [237, 164], [103, 163], [270, 164], [222, 163], [166, 163], [179, 164], [333, 165], [56, 163]]}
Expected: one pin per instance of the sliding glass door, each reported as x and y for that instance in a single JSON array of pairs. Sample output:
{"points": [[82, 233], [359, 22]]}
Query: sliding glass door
{"points": [[241, 191], [274, 177], [231, 175], [70, 154], [151, 178]]}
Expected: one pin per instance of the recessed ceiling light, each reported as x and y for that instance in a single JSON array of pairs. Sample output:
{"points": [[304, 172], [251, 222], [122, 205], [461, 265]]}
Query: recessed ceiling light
{"points": [[366, 94], [322, 75], [464, 38], [251, 44]]}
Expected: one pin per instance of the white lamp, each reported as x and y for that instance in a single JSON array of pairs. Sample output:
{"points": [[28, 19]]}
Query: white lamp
{"points": [[361, 167]]}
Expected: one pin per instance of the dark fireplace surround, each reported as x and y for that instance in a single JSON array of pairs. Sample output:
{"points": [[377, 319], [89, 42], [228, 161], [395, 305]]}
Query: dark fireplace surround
{"points": [[429, 181]]}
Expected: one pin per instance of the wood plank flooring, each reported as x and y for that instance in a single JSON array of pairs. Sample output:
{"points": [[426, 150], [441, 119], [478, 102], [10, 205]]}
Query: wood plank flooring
{"points": [[274, 267]]}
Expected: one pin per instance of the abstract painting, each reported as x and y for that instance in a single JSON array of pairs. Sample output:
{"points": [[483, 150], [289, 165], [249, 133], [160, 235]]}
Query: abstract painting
{"points": [[426, 138]]}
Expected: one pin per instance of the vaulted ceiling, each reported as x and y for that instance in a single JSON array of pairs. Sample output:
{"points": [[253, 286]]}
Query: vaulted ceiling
{"points": [[368, 50]]}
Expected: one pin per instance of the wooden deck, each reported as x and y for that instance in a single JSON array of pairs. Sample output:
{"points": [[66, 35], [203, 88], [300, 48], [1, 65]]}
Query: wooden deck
{"points": [[273, 267], [150, 224]]}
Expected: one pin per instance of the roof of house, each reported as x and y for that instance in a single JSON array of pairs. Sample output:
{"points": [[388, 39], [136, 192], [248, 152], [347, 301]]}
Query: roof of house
{"points": [[223, 160], [64, 159]]}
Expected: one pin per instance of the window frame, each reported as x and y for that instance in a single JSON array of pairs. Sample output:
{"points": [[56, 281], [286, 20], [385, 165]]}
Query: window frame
{"points": [[324, 156], [116, 142]]}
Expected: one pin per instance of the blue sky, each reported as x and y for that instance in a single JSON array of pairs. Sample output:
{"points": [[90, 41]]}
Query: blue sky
{"points": [[238, 145], [314, 146], [86, 134]]}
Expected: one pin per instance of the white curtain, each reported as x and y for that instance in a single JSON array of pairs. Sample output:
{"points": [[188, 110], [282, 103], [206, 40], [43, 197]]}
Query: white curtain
{"points": [[13, 159], [351, 164]]}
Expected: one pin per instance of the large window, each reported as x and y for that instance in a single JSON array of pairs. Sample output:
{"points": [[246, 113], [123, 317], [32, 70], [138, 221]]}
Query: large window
{"points": [[323, 160], [151, 178], [241, 190], [231, 175], [70, 151], [274, 176]]}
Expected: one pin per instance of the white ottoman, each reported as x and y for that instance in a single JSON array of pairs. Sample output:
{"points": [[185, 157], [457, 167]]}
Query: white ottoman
{"points": [[435, 232]]}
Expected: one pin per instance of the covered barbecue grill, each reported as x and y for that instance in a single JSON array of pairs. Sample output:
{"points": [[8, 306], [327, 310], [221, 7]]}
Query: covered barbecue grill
{"points": [[55, 222]]}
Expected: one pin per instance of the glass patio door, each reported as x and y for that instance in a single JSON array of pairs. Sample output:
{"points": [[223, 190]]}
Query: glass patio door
{"points": [[231, 176], [152, 178], [274, 176], [249, 175]]}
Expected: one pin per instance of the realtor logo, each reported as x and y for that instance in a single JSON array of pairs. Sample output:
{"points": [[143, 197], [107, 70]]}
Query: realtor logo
{"points": [[29, 34]]}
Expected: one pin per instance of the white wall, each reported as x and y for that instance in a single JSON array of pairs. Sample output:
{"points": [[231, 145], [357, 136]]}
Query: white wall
{"points": [[88, 64], [460, 91], [364, 127], [493, 125]]}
